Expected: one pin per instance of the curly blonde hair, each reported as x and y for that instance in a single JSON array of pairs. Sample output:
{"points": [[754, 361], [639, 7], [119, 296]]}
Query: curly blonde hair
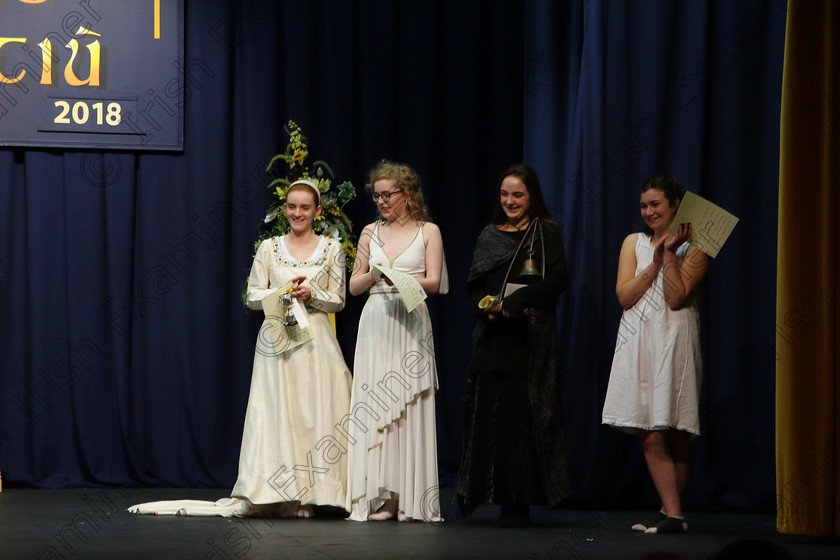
{"points": [[405, 179]]}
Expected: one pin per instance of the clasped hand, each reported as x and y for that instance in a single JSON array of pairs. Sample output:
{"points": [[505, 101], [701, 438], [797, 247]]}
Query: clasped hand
{"points": [[299, 292], [671, 243], [381, 277], [494, 310]]}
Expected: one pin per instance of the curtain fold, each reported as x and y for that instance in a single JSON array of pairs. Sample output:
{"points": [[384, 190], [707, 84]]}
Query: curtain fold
{"points": [[622, 90], [807, 340], [125, 354]]}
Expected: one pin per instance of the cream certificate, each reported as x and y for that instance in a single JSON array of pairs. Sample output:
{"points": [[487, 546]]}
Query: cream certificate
{"points": [[281, 337], [710, 224], [411, 292]]}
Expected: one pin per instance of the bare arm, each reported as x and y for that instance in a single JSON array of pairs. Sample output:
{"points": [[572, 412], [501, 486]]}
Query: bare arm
{"points": [[628, 287], [362, 277], [682, 277], [434, 258]]}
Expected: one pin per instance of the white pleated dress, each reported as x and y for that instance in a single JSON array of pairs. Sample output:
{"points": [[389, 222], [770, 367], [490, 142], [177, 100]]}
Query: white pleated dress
{"points": [[393, 445], [657, 368]]}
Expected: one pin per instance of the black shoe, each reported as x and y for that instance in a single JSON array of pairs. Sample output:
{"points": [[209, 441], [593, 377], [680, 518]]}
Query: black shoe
{"points": [[669, 525], [648, 523], [516, 517]]}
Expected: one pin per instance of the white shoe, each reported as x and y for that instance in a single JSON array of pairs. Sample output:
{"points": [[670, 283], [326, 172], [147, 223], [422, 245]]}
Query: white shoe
{"points": [[381, 515], [305, 512]]}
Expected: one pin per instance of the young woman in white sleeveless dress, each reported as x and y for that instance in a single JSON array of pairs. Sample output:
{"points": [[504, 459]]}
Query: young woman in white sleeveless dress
{"points": [[656, 372], [393, 471]]}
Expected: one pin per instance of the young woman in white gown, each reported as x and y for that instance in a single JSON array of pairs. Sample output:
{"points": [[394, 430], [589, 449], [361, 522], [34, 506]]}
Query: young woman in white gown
{"points": [[657, 368], [393, 471], [293, 455]]}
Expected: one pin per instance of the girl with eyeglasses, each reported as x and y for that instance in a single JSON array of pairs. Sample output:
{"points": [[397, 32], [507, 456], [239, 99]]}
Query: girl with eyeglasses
{"points": [[393, 470]]}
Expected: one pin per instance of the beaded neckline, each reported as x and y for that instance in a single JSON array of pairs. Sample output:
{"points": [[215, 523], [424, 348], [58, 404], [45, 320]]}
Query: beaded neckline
{"points": [[318, 257]]}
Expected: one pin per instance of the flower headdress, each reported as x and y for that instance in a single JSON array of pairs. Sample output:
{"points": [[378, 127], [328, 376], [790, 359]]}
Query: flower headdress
{"points": [[332, 222]]}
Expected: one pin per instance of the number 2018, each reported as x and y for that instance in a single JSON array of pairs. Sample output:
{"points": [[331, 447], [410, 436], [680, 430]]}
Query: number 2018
{"points": [[80, 112]]}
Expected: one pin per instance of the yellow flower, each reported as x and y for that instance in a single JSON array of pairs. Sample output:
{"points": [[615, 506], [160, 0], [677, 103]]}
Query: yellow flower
{"points": [[350, 250]]}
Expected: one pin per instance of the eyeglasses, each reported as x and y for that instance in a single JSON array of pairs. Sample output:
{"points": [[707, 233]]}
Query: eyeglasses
{"points": [[386, 196]]}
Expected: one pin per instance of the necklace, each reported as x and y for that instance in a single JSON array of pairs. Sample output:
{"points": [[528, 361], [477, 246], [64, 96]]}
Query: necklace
{"points": [[517, 227]]}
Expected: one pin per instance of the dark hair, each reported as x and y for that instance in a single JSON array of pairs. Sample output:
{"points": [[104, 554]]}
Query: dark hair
{"points": [[755, 548], [670, 188], [528, 176]]}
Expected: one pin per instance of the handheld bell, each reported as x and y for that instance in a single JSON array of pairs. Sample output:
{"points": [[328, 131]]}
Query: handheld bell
{"points": [[530, 269]]}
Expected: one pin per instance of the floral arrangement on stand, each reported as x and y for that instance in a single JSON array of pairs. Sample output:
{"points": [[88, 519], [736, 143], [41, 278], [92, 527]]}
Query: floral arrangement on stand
{"points": [[333, 222]]}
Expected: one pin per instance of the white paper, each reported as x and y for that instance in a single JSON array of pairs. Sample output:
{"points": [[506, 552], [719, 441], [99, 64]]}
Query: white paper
{"points": [[410, 290], [300, 314], [281, 337], [710, 224], [510, 288]]}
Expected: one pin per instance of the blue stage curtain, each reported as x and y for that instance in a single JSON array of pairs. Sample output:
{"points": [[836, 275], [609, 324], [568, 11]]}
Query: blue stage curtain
{"points": [[617, 91], [125, 353]]}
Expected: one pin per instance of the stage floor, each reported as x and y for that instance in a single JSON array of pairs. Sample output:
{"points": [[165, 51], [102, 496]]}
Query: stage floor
{"points": [[93, 524]]}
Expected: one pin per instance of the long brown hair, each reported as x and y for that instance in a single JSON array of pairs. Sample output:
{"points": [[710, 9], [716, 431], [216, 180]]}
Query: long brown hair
{"points": [[528, 176]]}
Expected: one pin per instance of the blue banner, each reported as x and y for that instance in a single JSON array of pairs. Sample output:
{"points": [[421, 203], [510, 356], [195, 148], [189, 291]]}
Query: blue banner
{"points": [[96, 74]]}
